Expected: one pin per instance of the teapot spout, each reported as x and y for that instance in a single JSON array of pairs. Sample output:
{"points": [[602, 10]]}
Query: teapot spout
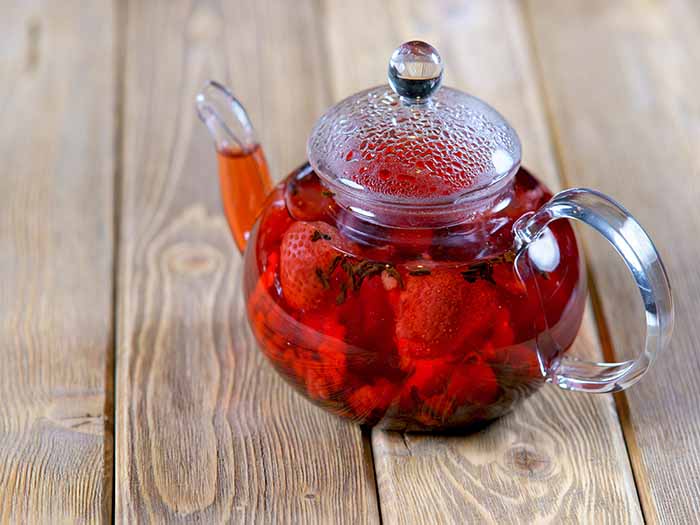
{"points": [[243, 174]]}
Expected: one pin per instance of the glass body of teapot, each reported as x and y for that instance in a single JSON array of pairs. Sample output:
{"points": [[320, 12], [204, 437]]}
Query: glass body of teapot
{"points": [[411, 273]]}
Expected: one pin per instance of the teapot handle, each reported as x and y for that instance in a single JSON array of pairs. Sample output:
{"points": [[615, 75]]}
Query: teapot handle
{"points": [[637, 250]]}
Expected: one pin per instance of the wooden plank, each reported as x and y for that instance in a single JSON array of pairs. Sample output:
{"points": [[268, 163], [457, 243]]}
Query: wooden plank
{"points": [[622, 84], [207, 432], [558, 457], [57, 100]]}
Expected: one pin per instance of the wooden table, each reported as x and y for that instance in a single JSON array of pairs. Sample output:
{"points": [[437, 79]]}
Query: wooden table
{"points": [[128, 390]]}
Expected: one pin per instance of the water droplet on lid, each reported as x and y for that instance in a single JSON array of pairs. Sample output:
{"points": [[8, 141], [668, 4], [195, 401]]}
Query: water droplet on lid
{"points": [[456, 140]]}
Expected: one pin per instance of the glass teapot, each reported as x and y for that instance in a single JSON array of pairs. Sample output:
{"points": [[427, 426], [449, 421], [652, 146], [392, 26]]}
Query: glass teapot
{"points": [[411, 274]]}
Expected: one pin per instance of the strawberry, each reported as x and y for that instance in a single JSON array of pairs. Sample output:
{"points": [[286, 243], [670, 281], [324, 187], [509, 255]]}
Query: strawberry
{"points": [[325, 323], [474, 384], [439, 312], [429, 376], [307, 199], [266, 317], [450, 385], [503, 334], [440, 407], [369, 316], [371, 400], [323, 383], [507, 279], [271, 270], [307, 252], [516, 366], [423, 392], [274, 221]]}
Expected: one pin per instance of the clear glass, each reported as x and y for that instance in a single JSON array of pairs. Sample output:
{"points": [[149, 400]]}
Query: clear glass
{"points": [[421, 313], [635, 247], [244, 178], [411, 328]]}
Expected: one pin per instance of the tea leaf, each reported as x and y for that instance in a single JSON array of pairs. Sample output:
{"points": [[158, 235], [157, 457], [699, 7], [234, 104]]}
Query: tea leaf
{"points": [[334, 263], [366, 269], [393, 272], [509, 256], [317, 235], [321, 277], [481, 270], [340, 299]]}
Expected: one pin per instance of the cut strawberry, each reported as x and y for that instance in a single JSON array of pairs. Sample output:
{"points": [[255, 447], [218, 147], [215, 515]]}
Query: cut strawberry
{"points": [[439, 312], [307, 254]]}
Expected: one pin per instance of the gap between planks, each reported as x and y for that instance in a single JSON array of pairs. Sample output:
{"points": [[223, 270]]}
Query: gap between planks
{"points": [[120, 32]]}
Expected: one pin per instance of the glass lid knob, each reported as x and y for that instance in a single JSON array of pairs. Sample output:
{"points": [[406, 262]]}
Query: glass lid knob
{"points": [[415, 71]]}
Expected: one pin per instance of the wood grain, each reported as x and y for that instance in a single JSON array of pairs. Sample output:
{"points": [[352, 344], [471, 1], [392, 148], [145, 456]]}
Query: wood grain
{"points": [[207, 432], [622, 85], [57, 101], [559, 457]]}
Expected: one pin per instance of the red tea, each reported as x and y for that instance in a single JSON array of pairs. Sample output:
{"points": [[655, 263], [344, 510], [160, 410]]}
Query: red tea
{"points": [[245, 182], [424, 328]]}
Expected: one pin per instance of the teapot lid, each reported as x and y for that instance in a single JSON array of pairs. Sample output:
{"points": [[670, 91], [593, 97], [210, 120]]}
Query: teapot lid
{"points": [[413, 142]]}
